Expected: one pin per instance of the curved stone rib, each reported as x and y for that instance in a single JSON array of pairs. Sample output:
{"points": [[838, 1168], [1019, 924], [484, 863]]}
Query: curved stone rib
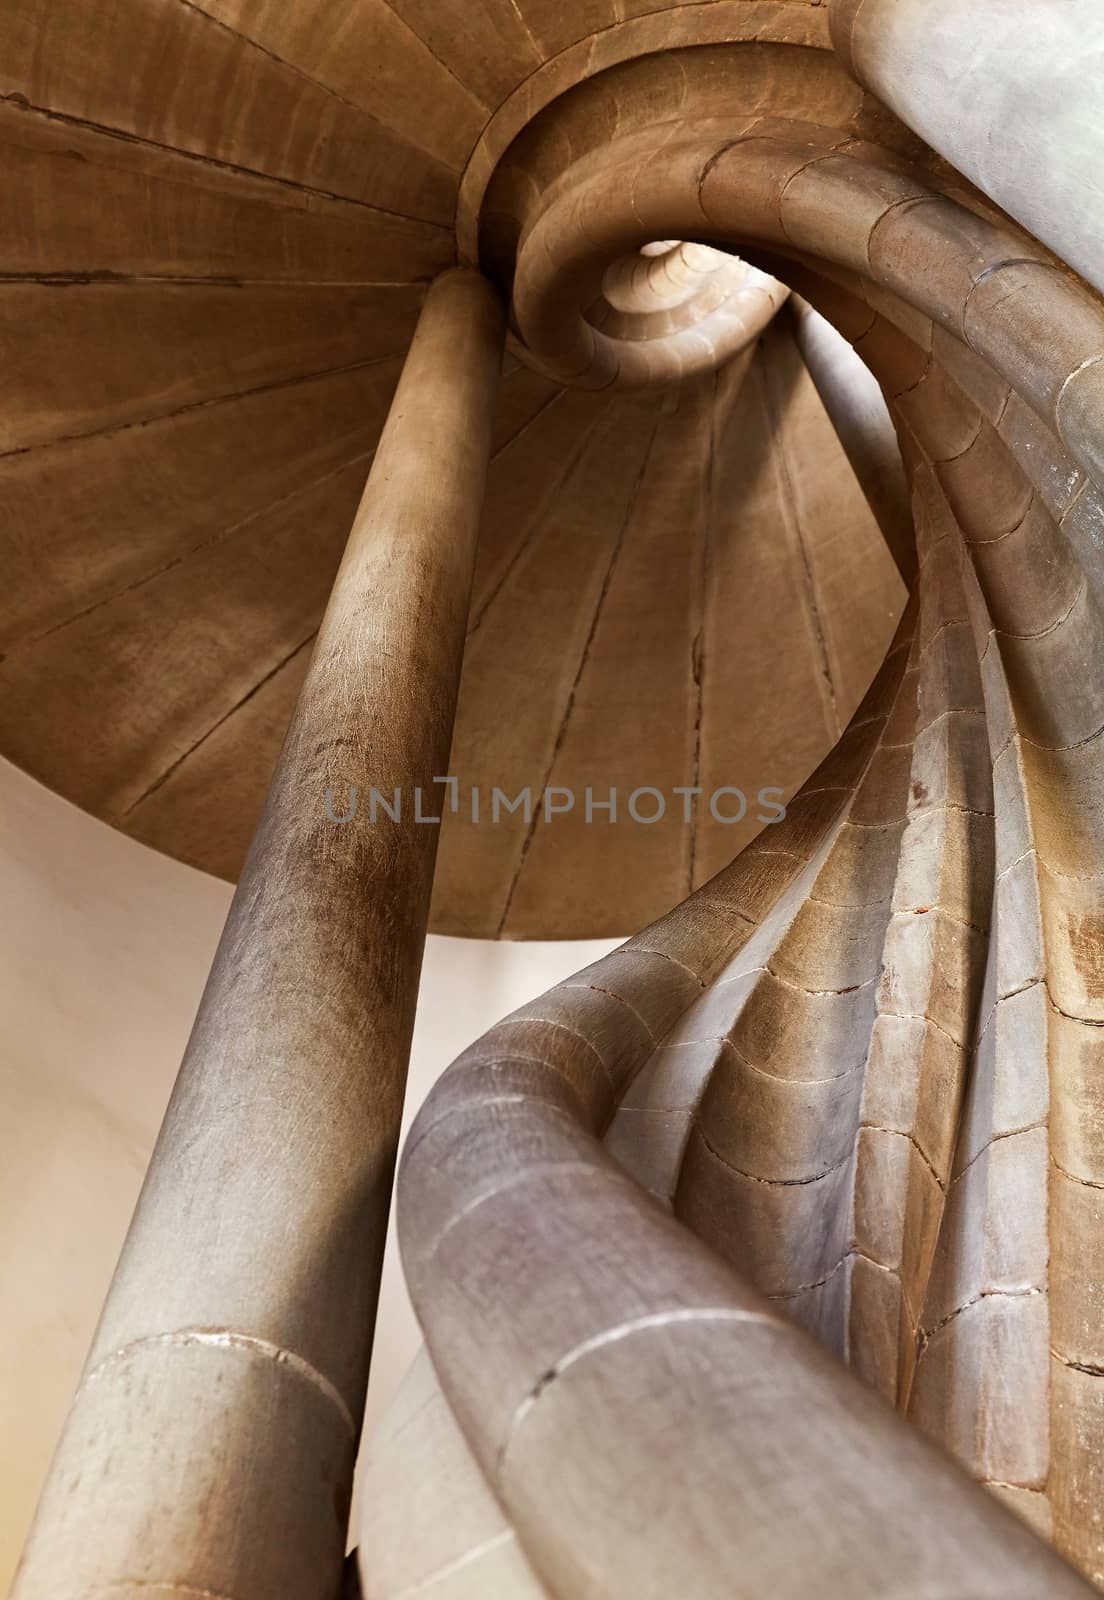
{"points": [[862, 1064], [982, 482], [1034, 152], [521, 1240]]}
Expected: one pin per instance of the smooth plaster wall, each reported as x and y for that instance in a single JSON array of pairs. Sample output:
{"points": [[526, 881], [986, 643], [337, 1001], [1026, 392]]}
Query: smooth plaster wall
{"points": [[104, 950]]}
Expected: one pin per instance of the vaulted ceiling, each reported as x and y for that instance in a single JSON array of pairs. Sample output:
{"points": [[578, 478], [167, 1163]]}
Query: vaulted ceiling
{"points": [[218, 222]]}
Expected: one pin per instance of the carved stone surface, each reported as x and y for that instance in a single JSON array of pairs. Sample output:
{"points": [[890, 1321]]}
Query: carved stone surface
{"points": [[203, 320], [840, 1107], [846, 1064]]}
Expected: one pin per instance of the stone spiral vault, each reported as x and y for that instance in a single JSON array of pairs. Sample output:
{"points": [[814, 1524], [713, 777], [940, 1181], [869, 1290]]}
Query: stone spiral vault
{"points": [[839, 1105]]}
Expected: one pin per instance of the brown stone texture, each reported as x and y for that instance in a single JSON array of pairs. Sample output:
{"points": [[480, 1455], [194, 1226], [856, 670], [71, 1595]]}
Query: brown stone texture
{"points": [[740, 1254]]}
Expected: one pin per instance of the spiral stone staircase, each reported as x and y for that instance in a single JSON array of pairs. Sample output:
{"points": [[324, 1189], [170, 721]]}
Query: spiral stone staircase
{"points": [[715, 393]]}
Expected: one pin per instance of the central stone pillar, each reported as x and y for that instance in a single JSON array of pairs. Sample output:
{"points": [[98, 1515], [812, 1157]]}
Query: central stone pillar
{"points": [[211, 1444]]}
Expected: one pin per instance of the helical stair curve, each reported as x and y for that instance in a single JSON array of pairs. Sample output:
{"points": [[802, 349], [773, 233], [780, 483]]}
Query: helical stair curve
{"points": [[840, 1107], [860, 1066]]}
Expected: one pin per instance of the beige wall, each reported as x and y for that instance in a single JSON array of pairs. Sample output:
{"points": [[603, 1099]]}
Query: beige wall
{"points": [[104, 948]]}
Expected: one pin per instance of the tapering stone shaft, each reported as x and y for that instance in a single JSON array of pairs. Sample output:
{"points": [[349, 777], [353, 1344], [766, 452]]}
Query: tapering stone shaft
{"points": [[210, 1448]]}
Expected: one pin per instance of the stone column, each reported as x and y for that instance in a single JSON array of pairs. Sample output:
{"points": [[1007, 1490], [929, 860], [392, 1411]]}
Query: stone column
{"points": [[853, 399], [1008, 91], [210, 1448]]}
